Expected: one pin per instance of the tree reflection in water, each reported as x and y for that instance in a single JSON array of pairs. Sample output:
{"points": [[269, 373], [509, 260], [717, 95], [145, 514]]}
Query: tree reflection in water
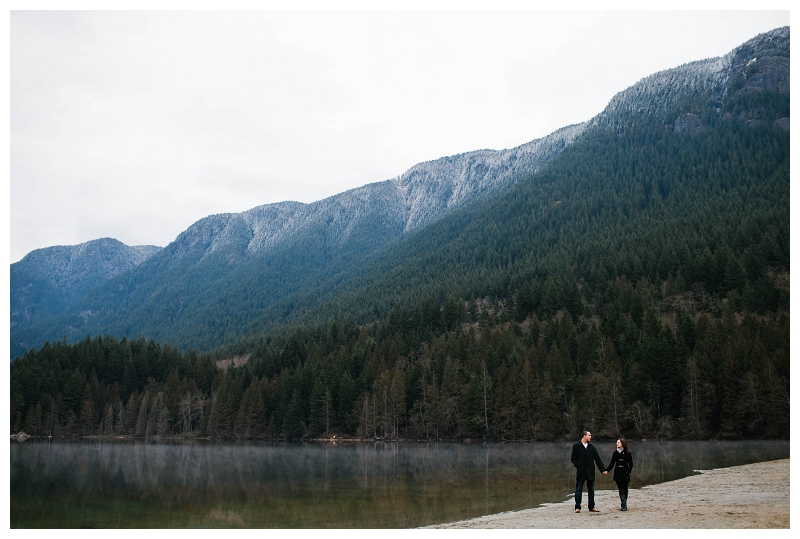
{"points": [[156, 484]]}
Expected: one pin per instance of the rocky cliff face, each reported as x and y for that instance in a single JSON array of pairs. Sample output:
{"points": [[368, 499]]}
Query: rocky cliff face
{"points": [[761, 63], [49, 280], [757, 70]]}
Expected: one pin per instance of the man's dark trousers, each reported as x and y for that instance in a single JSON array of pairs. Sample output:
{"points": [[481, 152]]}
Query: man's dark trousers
{"points": [[579, 492]]}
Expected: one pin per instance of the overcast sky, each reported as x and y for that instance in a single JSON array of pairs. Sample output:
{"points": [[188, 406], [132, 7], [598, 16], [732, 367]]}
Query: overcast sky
{"points": [[134, 125]]}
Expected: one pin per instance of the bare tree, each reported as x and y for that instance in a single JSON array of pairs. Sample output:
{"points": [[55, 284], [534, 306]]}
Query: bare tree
{"points": [[141, 420], [185, 412], [108, 420], [486, 382]]}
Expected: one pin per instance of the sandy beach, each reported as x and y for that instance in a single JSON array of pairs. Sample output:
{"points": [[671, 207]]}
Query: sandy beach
{"points": [[749, 496]]}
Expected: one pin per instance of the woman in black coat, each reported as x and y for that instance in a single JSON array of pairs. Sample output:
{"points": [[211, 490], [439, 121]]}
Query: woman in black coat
{"points": [[622, 462]]}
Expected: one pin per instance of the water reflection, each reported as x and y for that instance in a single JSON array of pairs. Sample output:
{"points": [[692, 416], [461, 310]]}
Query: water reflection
{"points": [[139, 484]]}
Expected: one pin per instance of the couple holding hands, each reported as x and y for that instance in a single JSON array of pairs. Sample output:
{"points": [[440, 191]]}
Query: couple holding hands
{"points": [[584, 456]]}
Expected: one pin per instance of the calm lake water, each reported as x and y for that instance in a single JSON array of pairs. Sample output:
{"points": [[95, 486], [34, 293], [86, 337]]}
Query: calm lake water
{"points": [[163, 485]]}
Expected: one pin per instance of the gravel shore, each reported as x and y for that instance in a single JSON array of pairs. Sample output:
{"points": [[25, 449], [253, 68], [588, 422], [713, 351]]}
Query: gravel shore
{"points": [[749, 496]]}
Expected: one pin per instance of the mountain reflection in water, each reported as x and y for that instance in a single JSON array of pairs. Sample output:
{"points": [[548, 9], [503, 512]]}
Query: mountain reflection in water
{"points": [[150, 484]]}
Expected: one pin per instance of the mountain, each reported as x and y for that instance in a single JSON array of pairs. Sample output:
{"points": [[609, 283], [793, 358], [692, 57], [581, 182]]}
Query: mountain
{"points": [[687, 165], [49, 280], [233, 265], [637, 284], [385, 244]]}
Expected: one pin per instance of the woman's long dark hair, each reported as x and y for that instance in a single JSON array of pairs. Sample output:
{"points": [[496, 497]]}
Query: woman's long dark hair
{"points": [[625, 448]]}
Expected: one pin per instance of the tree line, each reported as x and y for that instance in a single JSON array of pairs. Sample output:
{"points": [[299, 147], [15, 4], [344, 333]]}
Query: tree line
{"points": [[630, 360]]}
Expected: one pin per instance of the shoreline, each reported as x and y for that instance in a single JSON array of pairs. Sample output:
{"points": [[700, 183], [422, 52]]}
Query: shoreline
{"points": [[752, 496]]}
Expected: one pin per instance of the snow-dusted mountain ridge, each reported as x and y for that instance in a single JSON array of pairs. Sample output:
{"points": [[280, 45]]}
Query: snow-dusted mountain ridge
{"points": [[48, 280], [760, 63], [419, 196], [430, 190]]}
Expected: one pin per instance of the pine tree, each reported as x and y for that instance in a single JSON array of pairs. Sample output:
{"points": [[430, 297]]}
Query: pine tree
{"points": [[293, 424]]}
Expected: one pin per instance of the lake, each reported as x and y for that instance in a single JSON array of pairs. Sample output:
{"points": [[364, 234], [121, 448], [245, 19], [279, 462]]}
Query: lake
{"points": [[141, 484]]}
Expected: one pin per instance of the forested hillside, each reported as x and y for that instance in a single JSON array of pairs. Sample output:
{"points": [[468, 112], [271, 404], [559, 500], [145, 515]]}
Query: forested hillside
{"points": [[47, 281], [435, 372], [224, 277], [637, 285], [706, 212]]}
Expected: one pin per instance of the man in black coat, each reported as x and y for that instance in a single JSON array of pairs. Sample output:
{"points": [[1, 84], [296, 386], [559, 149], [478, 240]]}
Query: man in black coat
{"points": [[584, 457]]}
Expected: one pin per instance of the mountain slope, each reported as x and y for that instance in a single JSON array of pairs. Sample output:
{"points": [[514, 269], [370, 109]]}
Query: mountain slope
{"points": [[696, 171], [47, 281], [227, 269]]}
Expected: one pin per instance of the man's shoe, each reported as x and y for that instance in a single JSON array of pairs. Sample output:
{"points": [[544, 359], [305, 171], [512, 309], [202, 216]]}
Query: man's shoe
{"points": [[577, 510], [593, 510]]}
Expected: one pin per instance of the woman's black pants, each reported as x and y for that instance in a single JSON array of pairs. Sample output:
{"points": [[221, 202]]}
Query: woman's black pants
{"points": [[623, 494]]}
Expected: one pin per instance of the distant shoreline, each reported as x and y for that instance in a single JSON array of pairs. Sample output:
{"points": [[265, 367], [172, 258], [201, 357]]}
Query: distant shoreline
{"points": [[339, 438], [752, 496]]}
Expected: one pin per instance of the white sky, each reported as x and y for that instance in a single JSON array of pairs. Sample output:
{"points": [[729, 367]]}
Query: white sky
{"points": [[134, 125]]}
